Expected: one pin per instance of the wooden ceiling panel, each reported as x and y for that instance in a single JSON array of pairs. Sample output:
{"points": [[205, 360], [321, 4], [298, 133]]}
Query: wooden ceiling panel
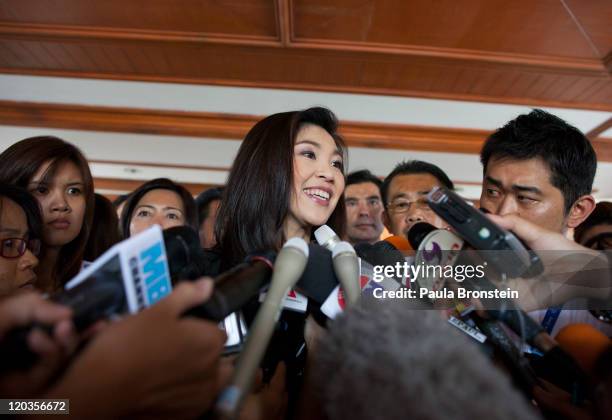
{"points": [[604, 94], [300, 68], [527, 27], [484, 82], [236, 18], [577, 88], [545, 53], [595, 88], [19, 54], [595, 18]]}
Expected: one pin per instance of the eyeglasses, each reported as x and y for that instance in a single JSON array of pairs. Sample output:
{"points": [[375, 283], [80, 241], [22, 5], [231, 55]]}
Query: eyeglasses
{"points": [[16, 247], [403, 206]]}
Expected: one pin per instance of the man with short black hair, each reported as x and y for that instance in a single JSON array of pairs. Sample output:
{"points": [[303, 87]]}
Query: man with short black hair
{"points": [[540, 168], [363, 207], [404, 192]]}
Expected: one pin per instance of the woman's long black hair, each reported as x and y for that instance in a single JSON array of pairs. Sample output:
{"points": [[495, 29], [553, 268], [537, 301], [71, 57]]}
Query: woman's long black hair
{"points": [[256, 199]]}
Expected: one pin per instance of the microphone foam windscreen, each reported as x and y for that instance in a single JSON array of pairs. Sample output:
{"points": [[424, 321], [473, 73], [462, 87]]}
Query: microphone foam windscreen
{"points": [[184, 253], [382, 359], [584, 343], [418, 232], [318, 279], [399, 242]]}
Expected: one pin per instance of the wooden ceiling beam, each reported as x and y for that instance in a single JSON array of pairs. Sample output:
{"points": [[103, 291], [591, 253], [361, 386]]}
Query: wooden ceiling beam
{"points": [[600, 129], [283, 14], [235, 127]]}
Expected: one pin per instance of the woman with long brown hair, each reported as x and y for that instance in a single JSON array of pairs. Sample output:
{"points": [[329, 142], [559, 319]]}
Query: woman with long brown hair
{"points": [[286, 180], [57, 174]]}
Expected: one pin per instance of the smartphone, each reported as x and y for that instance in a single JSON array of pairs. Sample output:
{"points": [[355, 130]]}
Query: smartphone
{"points": [[515, 259]]}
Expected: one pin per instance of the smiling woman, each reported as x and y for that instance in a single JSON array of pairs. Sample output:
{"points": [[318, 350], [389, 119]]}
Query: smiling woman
{"points": [[20, 231], [57, 174], [287, 178]]}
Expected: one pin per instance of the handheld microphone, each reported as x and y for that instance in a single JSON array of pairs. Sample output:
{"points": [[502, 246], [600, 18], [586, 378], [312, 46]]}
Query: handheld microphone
{"points": [[439, 246], [334, 303], [319, 278], [235, 288], [345, 262], [482, 234], [400, 243], [434, 246], [346, 267], [382, 254], [290, 264], [585, 343], [428, 241], [418, 232], [185, 255], [326, 237]]}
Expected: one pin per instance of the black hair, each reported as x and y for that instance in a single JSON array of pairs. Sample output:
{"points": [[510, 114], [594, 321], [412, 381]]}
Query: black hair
{"points": [[563, 148], [363, 176], [602, 215], [105, 230], [411, 167], [257, 196], [120, 199], [28, 204], [204, 199], [191, 218]]}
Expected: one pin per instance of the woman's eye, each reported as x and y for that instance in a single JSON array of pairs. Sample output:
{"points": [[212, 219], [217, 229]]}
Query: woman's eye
{"points": [[8, 243], [40, 189], [173, 216], [143, 213], [309, 154], [74, 191], [337, 164]]}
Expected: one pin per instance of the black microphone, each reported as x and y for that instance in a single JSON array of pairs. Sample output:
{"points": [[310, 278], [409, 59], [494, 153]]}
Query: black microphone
{"points": [[186, 260], [382, 253], [418, 232], [319, 278], [236, 287], [233, 288]]}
